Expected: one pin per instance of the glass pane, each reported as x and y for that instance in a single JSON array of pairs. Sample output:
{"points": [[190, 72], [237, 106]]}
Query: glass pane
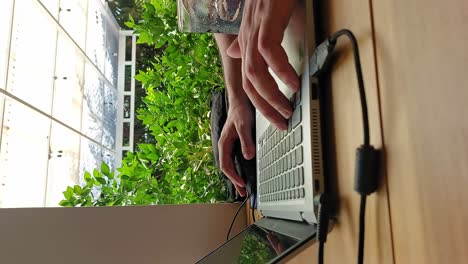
{"points": [[63, 163], [68, 95], [128, 78], [128, 48], [5, 28], [3, 176], [126, 134], [31, 68], [95, 40], [127, 106], [24, 154], [52, 6], [90, 157], [2, 103], [109, 158], [39, 158], [73, 19], [109, 122], [112, 59], [93, 105]]}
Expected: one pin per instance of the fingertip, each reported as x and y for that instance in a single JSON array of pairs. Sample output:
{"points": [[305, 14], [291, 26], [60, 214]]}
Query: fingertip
{"points": [[240, 190], [281, 126], [248, 155], [242, 193], [294, 84], [240, 182], [231, 173], [247, 143], [248, 152], [287, 112]]}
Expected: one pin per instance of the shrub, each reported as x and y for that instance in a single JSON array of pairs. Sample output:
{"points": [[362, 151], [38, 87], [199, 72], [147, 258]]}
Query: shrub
{"points": [[179, 167]]}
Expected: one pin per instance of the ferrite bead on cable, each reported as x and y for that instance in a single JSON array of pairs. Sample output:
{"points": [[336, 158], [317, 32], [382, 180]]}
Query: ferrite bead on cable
{"points": [[366, 180]]}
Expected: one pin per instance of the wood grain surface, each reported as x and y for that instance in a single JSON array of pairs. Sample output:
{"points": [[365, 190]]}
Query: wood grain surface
{"points": [[422, 58]]}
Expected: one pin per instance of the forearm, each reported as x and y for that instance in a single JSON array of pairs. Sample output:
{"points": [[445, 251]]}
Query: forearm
{"points": [[232, 71]]}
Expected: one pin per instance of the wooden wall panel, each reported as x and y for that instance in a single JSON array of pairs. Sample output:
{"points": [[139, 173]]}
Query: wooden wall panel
{"points": [[422, 57]]}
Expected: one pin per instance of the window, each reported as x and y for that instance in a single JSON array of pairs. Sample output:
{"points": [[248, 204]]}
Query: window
{"points": [[58, 108]]}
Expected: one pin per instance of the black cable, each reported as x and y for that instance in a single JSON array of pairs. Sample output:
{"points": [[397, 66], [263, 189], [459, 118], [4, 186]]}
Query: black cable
{"points": [[365, 123], [253, 206], [320, 252], [366, 180], [322, 224], [235, 216], [362, 225], [360, 79]]}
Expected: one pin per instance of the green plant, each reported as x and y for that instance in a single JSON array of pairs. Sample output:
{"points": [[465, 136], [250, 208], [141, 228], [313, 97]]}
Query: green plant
{"points": [[179, 167], [123, 9]]}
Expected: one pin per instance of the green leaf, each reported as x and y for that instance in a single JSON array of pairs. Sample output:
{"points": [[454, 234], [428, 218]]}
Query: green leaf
{"points": [[149, 8], [158, 43], [178, 101], [68, 193], [153, 156], [130, 24], [64, 203], [141, 77], [77, 189], [101, 180], [87, 176], [105, 169], [145, 38]]}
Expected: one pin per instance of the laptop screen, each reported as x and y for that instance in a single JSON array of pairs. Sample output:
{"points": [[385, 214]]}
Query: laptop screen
{"points": [[253, 245]]}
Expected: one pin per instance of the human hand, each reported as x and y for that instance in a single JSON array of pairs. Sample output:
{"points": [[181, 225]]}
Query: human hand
{"points": [[238, 126], [259, 46]]}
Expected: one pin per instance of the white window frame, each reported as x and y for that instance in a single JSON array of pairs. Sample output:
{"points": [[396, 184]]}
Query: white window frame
{"points": [[120, 148]]}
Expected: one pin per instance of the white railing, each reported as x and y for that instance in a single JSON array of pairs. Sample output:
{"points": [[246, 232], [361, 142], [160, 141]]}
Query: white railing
{"points": [[126, 95]]}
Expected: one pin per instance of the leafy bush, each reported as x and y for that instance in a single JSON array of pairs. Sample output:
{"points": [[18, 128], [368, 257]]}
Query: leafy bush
{"points": [[179, 167]]}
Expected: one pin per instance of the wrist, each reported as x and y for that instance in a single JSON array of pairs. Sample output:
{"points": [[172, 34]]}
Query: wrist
{"points": [[237, 96]]}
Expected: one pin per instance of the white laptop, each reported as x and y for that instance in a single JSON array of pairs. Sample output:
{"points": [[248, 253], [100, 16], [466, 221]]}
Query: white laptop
{"points": [[289, 165]]}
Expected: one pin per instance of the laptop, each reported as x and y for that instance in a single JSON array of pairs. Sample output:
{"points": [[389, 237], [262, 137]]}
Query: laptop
{"points": [[289, 164]]}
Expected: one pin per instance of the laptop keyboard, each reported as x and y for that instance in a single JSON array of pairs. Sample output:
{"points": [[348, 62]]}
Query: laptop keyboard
{"points": [[280, 160]]}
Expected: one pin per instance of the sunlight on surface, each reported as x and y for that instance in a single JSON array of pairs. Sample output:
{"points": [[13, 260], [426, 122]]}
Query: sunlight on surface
{"points": [[23, 161], [58, 116]]}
